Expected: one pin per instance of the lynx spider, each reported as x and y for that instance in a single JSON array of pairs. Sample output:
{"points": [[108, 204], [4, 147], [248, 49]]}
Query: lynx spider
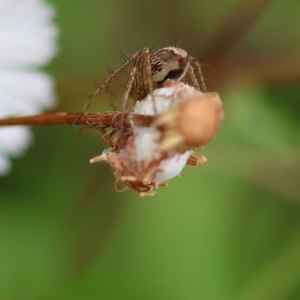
{"points": [[150, 71]]}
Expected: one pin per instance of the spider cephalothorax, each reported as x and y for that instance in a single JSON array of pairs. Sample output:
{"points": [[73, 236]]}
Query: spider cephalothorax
{"points": [[169, 63]]}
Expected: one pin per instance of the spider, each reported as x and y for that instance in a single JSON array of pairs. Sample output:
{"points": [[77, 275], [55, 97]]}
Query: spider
{"points": [[150, 71]]}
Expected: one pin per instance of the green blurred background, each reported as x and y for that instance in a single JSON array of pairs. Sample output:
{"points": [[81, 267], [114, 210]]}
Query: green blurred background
{"points": [[228, 229]]}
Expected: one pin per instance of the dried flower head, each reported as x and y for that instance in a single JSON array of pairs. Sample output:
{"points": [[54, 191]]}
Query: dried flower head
{"points": [[145, 157]]}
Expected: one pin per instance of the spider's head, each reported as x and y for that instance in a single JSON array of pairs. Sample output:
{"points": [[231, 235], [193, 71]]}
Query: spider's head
{"points": [[169, 63]]}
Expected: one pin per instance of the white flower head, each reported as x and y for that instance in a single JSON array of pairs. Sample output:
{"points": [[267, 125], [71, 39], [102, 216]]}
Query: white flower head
{"points": [[27, 41], [144, 157]]}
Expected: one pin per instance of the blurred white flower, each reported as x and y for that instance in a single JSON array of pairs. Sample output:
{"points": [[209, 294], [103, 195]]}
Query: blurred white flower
{"points": [[27, 41]]}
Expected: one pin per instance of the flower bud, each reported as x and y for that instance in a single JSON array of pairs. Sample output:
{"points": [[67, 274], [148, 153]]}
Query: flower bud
{"points": [[192, 124]]}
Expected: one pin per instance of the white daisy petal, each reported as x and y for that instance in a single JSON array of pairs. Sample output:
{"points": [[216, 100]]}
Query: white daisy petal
{"points": [[14, 140], [27, 35], [25, 92], [27, 40]]}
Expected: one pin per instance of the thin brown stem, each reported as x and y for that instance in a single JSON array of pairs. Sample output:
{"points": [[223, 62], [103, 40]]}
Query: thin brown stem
{"points": [[92, 119]]}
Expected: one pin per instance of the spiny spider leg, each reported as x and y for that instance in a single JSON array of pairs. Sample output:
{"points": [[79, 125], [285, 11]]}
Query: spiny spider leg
{"points": [[193, 77], [125, 98], [197, 65], [149, 79], [127, 89]]}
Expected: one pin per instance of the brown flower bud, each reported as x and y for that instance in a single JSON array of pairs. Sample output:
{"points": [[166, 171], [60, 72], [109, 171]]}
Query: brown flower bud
{"points": [[192, 124]]}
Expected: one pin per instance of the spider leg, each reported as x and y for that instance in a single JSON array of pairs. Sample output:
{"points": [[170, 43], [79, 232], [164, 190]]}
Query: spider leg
{"points": [[148, 74], [126, 97], [198, 68], [128, 89], [193, 77]]}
